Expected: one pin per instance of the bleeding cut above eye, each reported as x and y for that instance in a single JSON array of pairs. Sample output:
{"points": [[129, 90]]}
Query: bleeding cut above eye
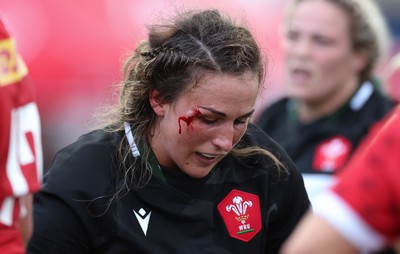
{"points": [[188, 119]]}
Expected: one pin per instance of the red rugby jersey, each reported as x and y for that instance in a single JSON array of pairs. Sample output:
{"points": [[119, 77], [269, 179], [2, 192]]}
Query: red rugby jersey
{"points": [[21, 159], [371, 182]]}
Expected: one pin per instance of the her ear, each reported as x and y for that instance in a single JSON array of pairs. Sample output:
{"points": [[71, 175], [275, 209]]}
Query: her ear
{"points": [[156, 102]]}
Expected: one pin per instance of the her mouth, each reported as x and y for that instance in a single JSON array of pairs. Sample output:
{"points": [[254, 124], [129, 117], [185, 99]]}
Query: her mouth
{"points": [[300, 75], [301, 72], [207, 156]]}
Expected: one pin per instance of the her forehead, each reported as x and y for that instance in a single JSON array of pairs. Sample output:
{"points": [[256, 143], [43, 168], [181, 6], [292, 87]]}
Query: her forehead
{"points": [[213, 87], [319, 15]]}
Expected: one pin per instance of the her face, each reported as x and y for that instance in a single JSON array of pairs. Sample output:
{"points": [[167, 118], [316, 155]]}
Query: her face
{"points": [[202, 125], [317, 47]]}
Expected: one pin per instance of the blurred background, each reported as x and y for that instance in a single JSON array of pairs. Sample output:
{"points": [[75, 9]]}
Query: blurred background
{"points": [[74, 50]]}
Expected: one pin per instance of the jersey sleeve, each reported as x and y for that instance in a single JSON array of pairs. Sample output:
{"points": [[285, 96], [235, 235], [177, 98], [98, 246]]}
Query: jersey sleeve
{"points": [[368, 192], [21, 159], [292, 206], [287, 191], [57, 228], [73, 199]]}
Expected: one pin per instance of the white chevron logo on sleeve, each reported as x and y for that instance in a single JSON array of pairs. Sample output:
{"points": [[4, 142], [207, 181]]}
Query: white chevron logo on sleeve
{"points": [[143, 219]]}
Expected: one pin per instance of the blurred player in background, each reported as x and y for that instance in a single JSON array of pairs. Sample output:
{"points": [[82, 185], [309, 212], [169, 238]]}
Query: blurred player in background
{"points": [[21, 155], [331, 49]]}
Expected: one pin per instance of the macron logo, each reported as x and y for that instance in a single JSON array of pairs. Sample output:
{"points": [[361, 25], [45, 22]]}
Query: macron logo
{"points": [[143, 218]]}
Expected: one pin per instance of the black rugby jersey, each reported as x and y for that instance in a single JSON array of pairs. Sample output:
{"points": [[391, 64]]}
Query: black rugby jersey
{"points": [[321, 148], [242, 206]]}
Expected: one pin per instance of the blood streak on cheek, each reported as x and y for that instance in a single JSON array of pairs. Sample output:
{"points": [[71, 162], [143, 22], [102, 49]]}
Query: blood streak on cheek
{"points": [[188, 120]]}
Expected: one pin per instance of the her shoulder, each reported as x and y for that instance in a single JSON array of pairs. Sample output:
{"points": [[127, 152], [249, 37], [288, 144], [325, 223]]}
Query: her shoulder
{"points": [[89, 159], [255, 136], [258, 137]]}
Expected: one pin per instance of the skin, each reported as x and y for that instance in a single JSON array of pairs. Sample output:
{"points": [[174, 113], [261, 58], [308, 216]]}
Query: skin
{"points": [[222, 105], [321, 68], [325, 239], [26, 222]]}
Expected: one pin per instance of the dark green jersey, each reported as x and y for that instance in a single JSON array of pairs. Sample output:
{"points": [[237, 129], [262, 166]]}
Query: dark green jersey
{"points": [[242, 206], [325, 145]]}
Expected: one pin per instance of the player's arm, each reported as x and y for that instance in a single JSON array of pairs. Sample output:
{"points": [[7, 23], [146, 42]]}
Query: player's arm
{"points": [[26, 221], [315, 235]]}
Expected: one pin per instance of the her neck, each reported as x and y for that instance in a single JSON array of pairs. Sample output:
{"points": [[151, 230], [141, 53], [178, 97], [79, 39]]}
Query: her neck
{"points": [[310, 111]]}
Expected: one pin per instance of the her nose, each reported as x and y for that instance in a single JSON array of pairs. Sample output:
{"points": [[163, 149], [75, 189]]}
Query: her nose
{"points": [[301, 47], [224, 138]]}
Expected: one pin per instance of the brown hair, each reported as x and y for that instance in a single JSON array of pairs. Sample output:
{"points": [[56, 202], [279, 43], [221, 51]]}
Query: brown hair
{"points": [[172, 59]]}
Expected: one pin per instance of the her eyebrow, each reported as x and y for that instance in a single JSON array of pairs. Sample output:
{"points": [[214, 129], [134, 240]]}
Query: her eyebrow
{"points": [[223, 114]]}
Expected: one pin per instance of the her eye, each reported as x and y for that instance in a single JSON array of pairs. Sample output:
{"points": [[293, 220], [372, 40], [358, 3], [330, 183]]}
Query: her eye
{"points": [[240, 121], [209, 120], [322, 40], [292, 35]]}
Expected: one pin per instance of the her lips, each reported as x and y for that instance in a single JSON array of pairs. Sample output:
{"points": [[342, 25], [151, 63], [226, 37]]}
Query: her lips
{"points": [[208, 156], [300, 75]]}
